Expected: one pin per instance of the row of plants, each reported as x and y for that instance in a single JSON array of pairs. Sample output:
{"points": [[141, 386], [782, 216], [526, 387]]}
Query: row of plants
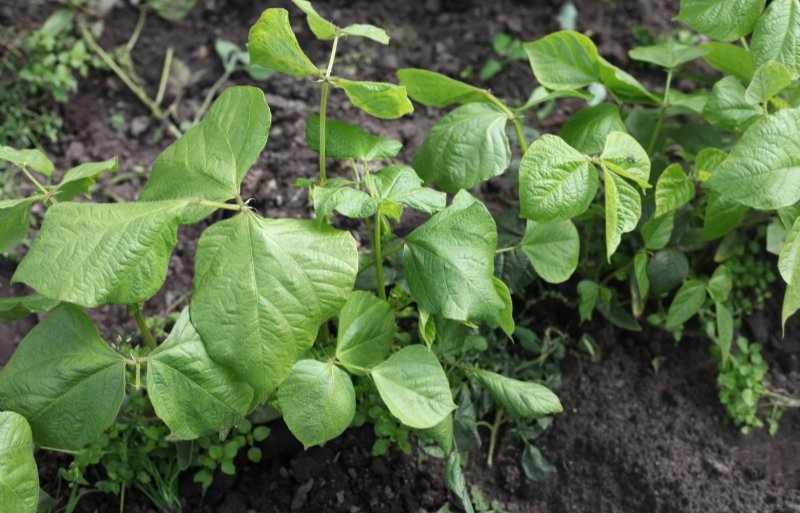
{"points": [[286, 314]]}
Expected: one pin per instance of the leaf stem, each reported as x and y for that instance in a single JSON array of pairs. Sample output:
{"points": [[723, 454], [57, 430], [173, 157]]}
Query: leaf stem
{"points": [[219, 204], [744, 43], [509, 248], [162, 85], [323, 110], [210, 96], [498, 420], [378, 257], [36, 182], [392, 251], [661, 114], [148, 337], [137, 30], [523, 144]]}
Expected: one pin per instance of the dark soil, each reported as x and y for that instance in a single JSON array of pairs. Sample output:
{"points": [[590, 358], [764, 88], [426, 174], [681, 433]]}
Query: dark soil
{"points": [[630, 440]]}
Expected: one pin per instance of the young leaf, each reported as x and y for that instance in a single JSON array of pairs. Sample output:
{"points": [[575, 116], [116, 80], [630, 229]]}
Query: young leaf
{"points": [[535, 465], [589, 294], [556, 181], [687, 302], [273, 45], [563, 60], [723, 20], [349, 202], [19, 477], [414, 387], [449, 262], [727, 107], [640, 283], [776, 36], [15, 218], [553, 249], [763, 169], [455, 482], [667, 269], [730, 60], [191, 393], [291, 276], [368, 31], [626, 157], [541, 95], [317, 401], [623, 210], [707, 161], [587, 129], [721, 216], [13, 308], [720, 284], [79, 179], [65, 380], [657, 231], [724, 329], [519, 398], [426, 326], [400, 185], [789, 258], [465, 147], [321, 27], [506, 318], [770, 79], [33, 159], [366, 331], [667, 55], [379, 99], [673, 190], [623, 87], [212, 158], [345, 141], [437, 90], [94, 254]]}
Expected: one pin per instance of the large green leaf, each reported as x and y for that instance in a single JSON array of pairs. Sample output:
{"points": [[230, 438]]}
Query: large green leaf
{"points": [[667, 55], [33, 159], [553, 249], [777, 36], [317, 401], [449, 262], [763, 169], [414, 387], [587, 129], [273, 45], [400, 185], [19, 477], [379, 99], [79, 179], [345, 141], [657, 231], [623, 210], [437, 90], [563, 60], [12, 308], [687, 302], [212, 158], [556, 181], [15, 218], [93, 254], [673, 190], [770, 79], [624, 87], [465, 147], [730, 59], [723, 20], [721, 216], [626, 157], [321, 27], [290, 276], [366, 331], [727, 106], [65, 380], [520, 398], [666, 270], [191, 393]]}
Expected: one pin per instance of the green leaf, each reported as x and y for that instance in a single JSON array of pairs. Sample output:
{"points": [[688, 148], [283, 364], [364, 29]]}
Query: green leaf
{"points": [[426, 326], [730, 60], [673, 190], [623, 155], [79, 179], [15, 219], [776, 36], [414, 387], [721, 216], [556, 181], [519, 398], [190, 392], [291, 276], [506, 318], [667, 55], [721, 284], [687, 302], [640, 283], [667, 269], [442, 434], [19, 477], [587, 129], [536, 466], [707, 161], [317, 401], [727, 107], [212, 158], [349, 202], [657, 231], [564, 60], [455, 482], [437, 90], [273, 45], [449, 262], [94, 254], [770, 79], [553, 249], [368, 31], [345, 141], [65, 380], [465, 147], [724, 329], [379, 99], [622, 86], [322, 28], [789, 258], [791, 302], [763, 169], [623, 210], [723, 20], [541, 95], [173, 10], [13, 308], [33, 159], [400, 185], [366, 331], [589, 294]]}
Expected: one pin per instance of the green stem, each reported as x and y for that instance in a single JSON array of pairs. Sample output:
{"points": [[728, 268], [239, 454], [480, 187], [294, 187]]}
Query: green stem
{"points": [[218, 204], [378, 257], [148, 337], [744, 43], [36, 182], [392, 251], [661, 114], [137, 30], [510, 248], [210, 96], [498, 419], [162, 85], [494, 100], [523, 144], [323, 110]]}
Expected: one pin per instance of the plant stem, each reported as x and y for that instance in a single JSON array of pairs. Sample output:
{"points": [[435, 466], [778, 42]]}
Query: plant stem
{"points": [[323, 110], [210, 96], [36, 182], [148, 337], [218, 204], [162, 85], [523, 144], [661, 114], [510, 248], [137, 30], [744, 43], [378, 257], [498, 419]]}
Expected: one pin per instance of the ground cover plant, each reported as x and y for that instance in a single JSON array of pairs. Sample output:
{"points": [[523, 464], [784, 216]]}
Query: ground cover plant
{"points": [[411, 332]]}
